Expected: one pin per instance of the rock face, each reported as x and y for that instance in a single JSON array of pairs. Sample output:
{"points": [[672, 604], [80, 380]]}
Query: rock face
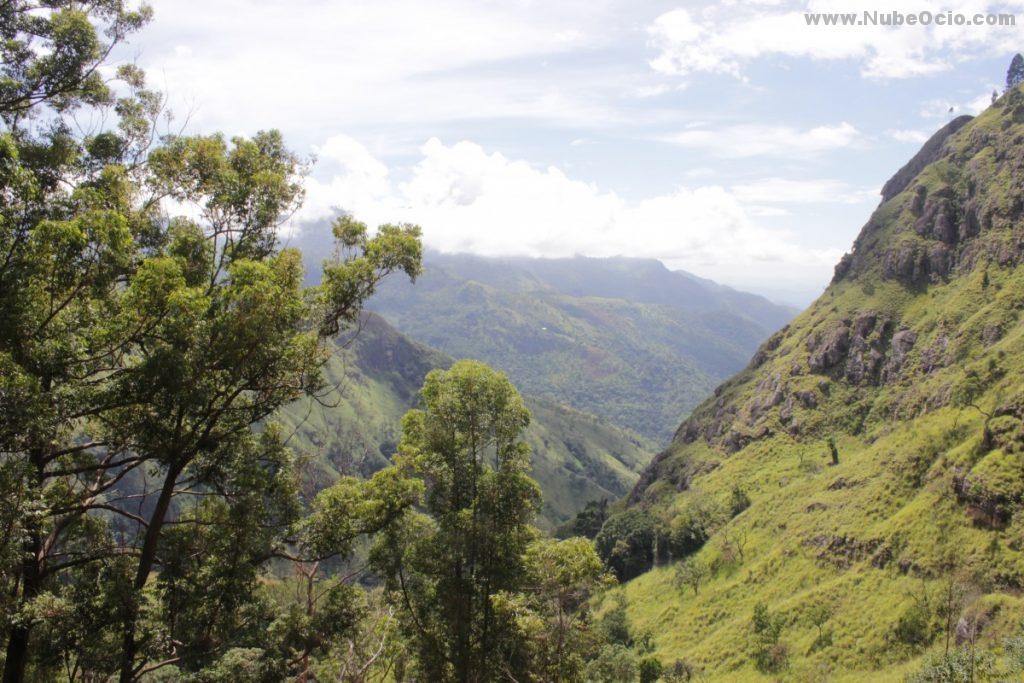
{"points": [[931, 151], [892, 408], [954, 207]]}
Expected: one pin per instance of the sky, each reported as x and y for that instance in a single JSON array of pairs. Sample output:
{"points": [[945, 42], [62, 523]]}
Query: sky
{"points": [[727, 139]]}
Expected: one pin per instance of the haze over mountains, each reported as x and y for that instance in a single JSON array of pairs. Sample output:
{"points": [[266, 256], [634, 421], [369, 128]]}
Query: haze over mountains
{"points": [[624, 339]]}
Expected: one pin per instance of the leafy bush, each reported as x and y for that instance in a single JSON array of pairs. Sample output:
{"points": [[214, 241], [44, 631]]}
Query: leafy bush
{"points": [[587, 522], [690, 529], [770, 653], [650, 670], [626, 543], [691, 573], [915, 625], [614, 664], [959, 666], [738, 501]]}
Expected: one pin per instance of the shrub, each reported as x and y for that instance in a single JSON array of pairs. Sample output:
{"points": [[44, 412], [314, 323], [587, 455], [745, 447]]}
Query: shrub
{"points": [[650, 670], [914, 626], [691, 573], [626, 543], [738, 501], [614, 664], [770, 653], [690, 530], [959, 666]]}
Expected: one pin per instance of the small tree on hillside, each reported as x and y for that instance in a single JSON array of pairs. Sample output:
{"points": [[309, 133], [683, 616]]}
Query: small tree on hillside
{"points": [[1015, 74]]}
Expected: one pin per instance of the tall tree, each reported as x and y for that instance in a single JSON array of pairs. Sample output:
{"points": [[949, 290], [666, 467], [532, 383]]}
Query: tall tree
{"points": [[70, 225], [238, 336], [446, 571], [140, 351], [1015, 74]]}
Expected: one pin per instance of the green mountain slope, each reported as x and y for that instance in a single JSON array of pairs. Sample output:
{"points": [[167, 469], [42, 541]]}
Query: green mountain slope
{"points": [[912, 362], [375, 376], [595, 334]]}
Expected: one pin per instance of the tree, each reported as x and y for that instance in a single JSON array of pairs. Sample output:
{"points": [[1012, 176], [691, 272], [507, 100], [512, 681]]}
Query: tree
{"points": [[651, 670], [770, 653], [739, 500], [587, 522], [626, 543], [614, 664], [237, 336], [552, 613], [447, 571], [1015, 74], [833, 450], [69, 230], [141, 352], [691, 573], [819, 616]]}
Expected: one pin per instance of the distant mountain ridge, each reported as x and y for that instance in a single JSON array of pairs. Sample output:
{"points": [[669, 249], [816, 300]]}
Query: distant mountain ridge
{"points": [[626, 339]]}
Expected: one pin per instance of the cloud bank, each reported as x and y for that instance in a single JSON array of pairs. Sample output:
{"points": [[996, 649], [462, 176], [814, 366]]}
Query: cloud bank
{"points": [[469, 200], [728, 37]]}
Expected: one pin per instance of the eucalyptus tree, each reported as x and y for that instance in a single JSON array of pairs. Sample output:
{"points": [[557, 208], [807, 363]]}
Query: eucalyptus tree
{"points": [[446, 570], [150, 324], [70, 225]]}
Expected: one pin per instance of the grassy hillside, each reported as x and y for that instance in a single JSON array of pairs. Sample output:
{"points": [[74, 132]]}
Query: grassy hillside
{"points": [[595, 334], [912, 365], [375, 376]]}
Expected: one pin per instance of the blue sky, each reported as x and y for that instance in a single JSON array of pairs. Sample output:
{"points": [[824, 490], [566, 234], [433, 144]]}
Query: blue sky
{"points": [[727, 139]]}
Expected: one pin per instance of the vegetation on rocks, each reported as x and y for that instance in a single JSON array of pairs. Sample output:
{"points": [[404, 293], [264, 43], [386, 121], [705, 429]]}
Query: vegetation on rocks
{"points": [[878, 439]]}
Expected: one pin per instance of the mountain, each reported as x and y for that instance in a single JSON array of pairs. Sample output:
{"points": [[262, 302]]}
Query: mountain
{"points": [[374, 376], [879, 442], [596, 334]]}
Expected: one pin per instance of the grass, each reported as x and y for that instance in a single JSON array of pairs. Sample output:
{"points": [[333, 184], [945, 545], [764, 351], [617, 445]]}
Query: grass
{"points": [[907, 507]]}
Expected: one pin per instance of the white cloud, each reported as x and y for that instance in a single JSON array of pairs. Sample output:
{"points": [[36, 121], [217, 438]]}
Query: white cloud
{"points": [[750, 140], [727, 37], [467, 199], [360, 62], [788, 191], [909, 136], [947, 109]]}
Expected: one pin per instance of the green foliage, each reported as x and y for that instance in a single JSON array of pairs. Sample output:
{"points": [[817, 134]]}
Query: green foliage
{"points": [[962, 665], [770, 653], [691, 573], [464, 445], [701, 517], [142, 353], [588, 521], [626, 543], [614, 664], [916, 625], [738, 500], [552, 616], [650, 670]]}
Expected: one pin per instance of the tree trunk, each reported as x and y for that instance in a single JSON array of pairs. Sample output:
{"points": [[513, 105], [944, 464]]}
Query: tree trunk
{"points": [[129, 647], [17, 643], [31, 583]]}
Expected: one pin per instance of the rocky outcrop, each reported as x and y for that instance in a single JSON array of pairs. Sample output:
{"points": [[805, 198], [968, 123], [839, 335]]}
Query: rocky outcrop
{"points": [[928, 153], [829, 350], [916, 263]]}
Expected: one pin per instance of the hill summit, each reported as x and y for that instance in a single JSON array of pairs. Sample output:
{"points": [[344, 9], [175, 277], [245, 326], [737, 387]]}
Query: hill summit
{"points": [[874, 445]]}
